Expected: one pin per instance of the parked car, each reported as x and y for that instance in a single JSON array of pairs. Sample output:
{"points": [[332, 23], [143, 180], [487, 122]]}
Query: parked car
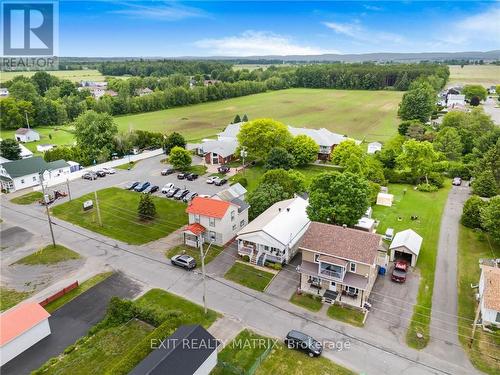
{"points": [[172, 192], [457, 181], [131, 185], [109, 170], [189, 197], [89, 176], [191, 177], [151, 189], [399, 272], [181, 194], [300, 341], [101, 173], [213, 179], [167, 171], [181, 176], [223, 169], [167, 187], [141, 187], [389, 234], [221, 182], [184, 261]]}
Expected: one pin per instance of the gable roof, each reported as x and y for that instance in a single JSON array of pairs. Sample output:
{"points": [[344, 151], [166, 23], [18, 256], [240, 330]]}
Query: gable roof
{"points": [[491, 293], [23, 167], [19, 319], [409, 239], [323, 137], [284, 221], [340, 242], [208, 207], [232, 192], [181, 354], [222, 148], [22, 131], [56, 164], [231, 131]]}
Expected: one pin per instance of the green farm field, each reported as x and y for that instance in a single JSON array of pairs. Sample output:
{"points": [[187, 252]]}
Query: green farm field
{"points": [[370, 115], [72, 75], [485, 75]]}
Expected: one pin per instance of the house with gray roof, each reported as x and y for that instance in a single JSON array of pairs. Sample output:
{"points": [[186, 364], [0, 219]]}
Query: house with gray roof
{"points": [[218, 152], [26, 135]]}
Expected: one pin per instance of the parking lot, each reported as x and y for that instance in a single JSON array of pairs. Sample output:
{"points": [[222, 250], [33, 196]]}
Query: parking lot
{"points": [[145, 170]]}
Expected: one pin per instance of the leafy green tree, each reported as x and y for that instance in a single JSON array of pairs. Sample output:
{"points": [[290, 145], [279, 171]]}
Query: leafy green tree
{"points": [[475, 90], [404, 125], [10, 149], [264, 197], [345, 152], [391, 150], [471, 215], [419, 159], [338, 198], [490, 217], [304, 149], [418, 103], [21, 90], [174, 140], [475, 101], [485, 184], [237, 119], [278, 158], [245, 118], [95, 133], [180, 158], [416, 131], [260, 136], [43, 81], [13, 113], [146, 209], [291, 181], [448, 142]]}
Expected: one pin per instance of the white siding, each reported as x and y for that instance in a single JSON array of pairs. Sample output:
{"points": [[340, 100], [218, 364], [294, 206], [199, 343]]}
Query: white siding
{"points": [[208, 365], [24, 341], [26, 181]]}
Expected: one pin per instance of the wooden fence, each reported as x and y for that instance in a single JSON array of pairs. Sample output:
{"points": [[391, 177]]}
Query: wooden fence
{"points": [[59, 294]]}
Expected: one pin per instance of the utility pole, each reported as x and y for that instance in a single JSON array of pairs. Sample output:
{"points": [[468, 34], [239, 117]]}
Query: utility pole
{"points": [[27, 122], [476, 317], [69, 191], [98, 210], [202, 256], [46, 200], [243, 156]]}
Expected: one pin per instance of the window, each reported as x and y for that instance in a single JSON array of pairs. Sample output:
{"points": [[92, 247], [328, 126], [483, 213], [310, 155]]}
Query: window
{"points": [[353, 267], [212, 235], [316, 258], [233, 215], [497, 319], [34, 178], [333, 283], [234, 226], [22, 181], [211, 221], [242, 223], [196, 218]]}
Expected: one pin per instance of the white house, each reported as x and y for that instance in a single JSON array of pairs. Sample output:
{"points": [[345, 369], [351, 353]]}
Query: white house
{"points": [[25, 173], [44, 147], [190, 350], [4, 91], [374, 147], [274, 235], [489, 292], [97, 92], [455, 100], [20, 328], [214, 220], [26, 135], [406, 245]]}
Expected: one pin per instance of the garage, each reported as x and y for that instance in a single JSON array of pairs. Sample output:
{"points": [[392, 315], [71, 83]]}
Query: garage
{"points": [[406, 246]]}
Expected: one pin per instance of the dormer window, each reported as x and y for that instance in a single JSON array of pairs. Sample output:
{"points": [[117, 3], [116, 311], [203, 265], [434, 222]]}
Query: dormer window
{"points": [[353, 267]]}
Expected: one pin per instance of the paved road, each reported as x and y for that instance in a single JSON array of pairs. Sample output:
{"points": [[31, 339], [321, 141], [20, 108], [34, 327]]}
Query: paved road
{"points": [[270, 315], [71, 322], [444, 299], [492, 107]]}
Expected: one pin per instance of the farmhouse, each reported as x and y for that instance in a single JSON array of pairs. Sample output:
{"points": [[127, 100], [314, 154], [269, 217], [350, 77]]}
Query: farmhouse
{"points": [[214, 220], [274, 235], [374, 147], [339, 263], [20, 328], [406, 245], [26, 135], [190, 350], [218, 152], [489, 292]]}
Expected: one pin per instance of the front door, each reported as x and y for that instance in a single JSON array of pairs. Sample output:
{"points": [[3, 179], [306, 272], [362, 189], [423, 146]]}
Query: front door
{"points": [[332, 286]]}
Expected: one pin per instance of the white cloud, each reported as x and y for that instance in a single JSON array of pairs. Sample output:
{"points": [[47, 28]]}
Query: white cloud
{"points": [[164, 11], [372, 7], [253, 43], [487, 22], [358, 32]]}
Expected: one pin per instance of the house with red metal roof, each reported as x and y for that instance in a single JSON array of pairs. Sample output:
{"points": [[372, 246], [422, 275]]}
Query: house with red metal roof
{"points": [[214, 220], [20, 328]]}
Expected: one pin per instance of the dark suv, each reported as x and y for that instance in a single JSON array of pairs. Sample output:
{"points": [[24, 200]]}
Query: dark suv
{"points": [[141, 187], [191, 177], [300, 341], [184, 261]]}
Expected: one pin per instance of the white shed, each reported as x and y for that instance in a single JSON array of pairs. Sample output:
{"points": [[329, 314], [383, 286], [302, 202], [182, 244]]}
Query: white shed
{"points": [[374, 147], [406, 245], [20, 328], [26, 135], [385, 199]]}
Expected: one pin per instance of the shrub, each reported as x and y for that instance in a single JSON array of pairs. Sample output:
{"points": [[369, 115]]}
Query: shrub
{"points": [[245, 258], [428, 188], [458, 169], [485, 184], [277, 266], [471, 216], [436, 179], [242, 180]]}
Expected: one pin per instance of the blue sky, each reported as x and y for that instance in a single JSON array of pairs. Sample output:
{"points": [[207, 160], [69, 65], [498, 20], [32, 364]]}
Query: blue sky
{"points": [[245, 28]]}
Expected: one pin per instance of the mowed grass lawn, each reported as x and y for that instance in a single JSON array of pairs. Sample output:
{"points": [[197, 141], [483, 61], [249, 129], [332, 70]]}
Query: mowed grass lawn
{"points": [[475, 74], [472, 247], [49, 255], [11, 297], [195, 253], [28, 198], [72, 75], [429, 208], [356, 113], [119, 216], [307, 301], [346, 314], [249, 276]]}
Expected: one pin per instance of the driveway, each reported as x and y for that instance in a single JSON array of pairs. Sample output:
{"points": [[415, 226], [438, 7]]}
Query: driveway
{"points": [[392, 306], [71, 322], [224, 261], [286, 282]]}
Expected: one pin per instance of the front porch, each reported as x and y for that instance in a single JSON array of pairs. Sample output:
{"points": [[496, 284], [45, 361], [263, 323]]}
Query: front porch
{"points": [[193, 234], [260, 254]]}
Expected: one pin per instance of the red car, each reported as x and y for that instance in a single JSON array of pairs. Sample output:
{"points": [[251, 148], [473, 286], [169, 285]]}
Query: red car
{"points": [[399, 272]]}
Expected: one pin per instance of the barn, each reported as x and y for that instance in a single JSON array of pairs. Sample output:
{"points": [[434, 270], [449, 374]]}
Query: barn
{"points": [[20, 328], [406, 245]]}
